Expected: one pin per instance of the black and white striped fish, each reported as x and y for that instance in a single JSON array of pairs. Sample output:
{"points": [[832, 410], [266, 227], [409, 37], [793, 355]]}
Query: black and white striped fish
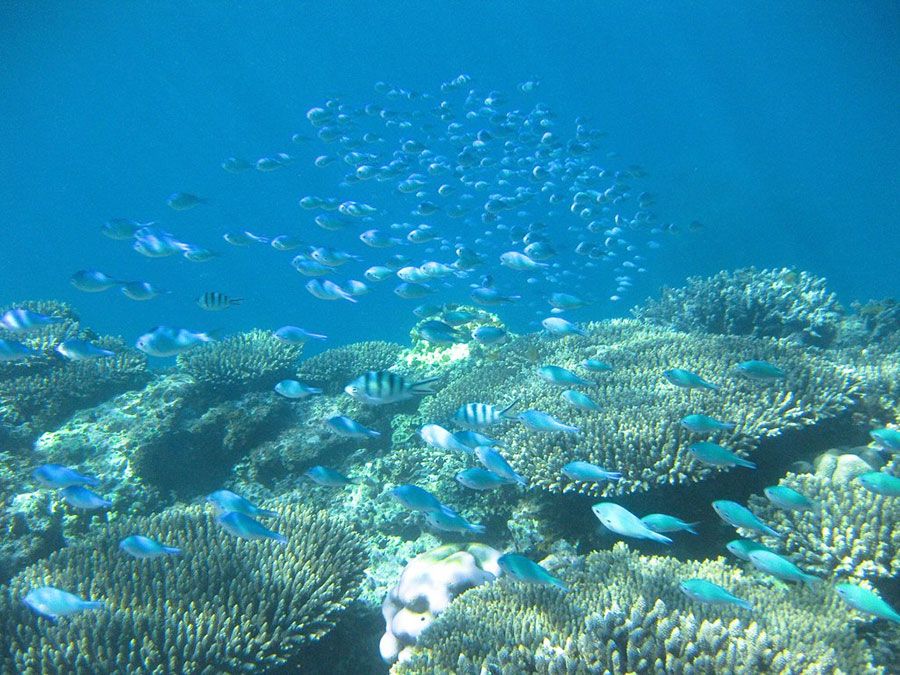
{"points": [[378, 387], [479, 415], [213, 301]]}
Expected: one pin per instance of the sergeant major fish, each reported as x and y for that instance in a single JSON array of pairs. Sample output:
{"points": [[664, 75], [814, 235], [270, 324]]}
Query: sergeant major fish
{"points": [[379, 387], [481, 415]]}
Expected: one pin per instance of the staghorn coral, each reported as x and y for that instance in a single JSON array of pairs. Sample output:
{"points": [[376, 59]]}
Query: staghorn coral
{"points": [[625, 613], [850, 532], [637, 431], [761, 303], [225, 605], [253, 361], [333, 369], [39, 392]]}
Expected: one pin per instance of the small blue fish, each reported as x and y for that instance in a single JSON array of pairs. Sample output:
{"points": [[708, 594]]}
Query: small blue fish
{"points": [[596, 365], [716, 455], [687, 380], [661, 522], [521, 568], [480, 415], [322, 475], [416, 499], [345, 426], [226, 501], [703, 424], [738, 515], [623, 522], [559, 327], [181, 201], [295, 389], [705, 591], [544, 422], [562, 377], [143, 548], [297, 336], [243, 526], [472, 439], [21, 320], [880, 483], [165, 341], [761, 371], [742, 548], [489, 335], [579, 400], [785, 498], [92, 281], [886, 439], [53, 603], [477, 478], [781, 568], [589, 473], [10, 350], [495, 462], [440, 438], [448, 521], [866, 601], [58, 476], [141, 291], [82, 498], [74, 349]]}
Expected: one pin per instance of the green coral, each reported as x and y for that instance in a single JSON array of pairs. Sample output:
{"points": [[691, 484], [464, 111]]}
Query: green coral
{"points": [[624, 613], [638, 430], [849, 532], [225, 605], [781, 303], [253, 361], [333, 369]]}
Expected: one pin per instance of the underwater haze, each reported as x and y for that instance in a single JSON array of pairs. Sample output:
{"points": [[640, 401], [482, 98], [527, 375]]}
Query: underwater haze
{"points": [[450, 337]]}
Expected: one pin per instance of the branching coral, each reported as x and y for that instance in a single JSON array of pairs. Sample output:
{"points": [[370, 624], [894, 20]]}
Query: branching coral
{"points": [[625, 613], [637, 430], [225, 605], [850, 531], [762, 303], [253, 361]]}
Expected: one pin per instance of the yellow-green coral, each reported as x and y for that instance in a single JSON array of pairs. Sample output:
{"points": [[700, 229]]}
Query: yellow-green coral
{"points": [[225, 605], [638, 430], [849, 532], [256, 360], [625, 614]]}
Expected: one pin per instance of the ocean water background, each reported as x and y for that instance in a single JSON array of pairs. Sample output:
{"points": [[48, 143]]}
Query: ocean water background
{"points": [[773, 124]]}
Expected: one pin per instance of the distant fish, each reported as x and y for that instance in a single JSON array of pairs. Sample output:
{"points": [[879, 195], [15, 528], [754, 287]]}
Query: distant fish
{"points": [[93, 281], [182, 201], [521, 568], [559, 327], [786, 498], [716, 455], [438, 437], [213, 301], [738, 515], [416, 499], [621, 521], [224, 501], [138, 546], [687, 380], [322, 475], [11, 350], [781, 568], [662, 522], [544, 422], [80, 497], [496, 463], [165, 341], [560, 376], [449, 521], [245, 527], [579, 400], [295, 335], [296, 390], [345, 426], [75, 349], [477, 478], [20, 320], [704, 424], [121, 229], [140, 290], [481, 415], [57, 476], [707, 592], [489, 335], [761, 371], [587, 472], [596, 365], [742, 548]]}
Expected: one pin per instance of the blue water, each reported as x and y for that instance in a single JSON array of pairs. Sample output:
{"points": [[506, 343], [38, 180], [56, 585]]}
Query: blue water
{"points": [[775, 125]]}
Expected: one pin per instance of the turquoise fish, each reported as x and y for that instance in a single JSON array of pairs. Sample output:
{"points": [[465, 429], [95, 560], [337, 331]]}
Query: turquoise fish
{"points": [[477, 478], [781, 568], [544, 422], [662, 522], [562, 377], [415, 498], [450, 521], [243, 526], [82, 498], [687, 380], [588, 473], [716, 455], [886, 438], [495, 462], [623, 522], [761, 371], [327, 477], [880, 483], [788, 499], [138, 546], [710, 593], [53, 603], [866, 601], [521, 568], [743, 547], [225, 501], [579, 400], [704, 424], [738, 515]]}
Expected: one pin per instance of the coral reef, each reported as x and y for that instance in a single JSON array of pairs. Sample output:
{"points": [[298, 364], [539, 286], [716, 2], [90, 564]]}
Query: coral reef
{"points": [[225, 605], [625, 613], [849, 532], [39, 392], [638, 430], [428, 584], [253, 361], [781, 303], [881, 321], [333, 369]]}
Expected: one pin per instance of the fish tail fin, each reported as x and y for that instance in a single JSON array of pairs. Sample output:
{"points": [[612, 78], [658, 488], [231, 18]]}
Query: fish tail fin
{"points": [[745, 463], [265, 513], [710, 385], [235, 301], [560, 585], [94, 604], [281, 539], [424, 386], [613, 475], [728, 426], [662, 539], [315, 390], [691, 526], [745, 604], [371, 433], [477, 529], [171, 550], [503, 413], [812, 580]]}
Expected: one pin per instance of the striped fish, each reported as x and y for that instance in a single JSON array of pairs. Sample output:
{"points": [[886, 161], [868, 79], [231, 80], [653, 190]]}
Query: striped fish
{"points": [[378, 387], [213, 301], [479, 415]]}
